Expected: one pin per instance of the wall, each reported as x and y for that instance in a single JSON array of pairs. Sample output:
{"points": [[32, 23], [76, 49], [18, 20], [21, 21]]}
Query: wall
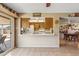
{"points": [[46, 41]]}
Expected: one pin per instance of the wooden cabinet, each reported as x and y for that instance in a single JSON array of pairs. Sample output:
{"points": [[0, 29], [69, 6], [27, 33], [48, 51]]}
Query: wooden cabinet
{"points": [[36, 26], [48, 23], [76, 14], [25, 22]]}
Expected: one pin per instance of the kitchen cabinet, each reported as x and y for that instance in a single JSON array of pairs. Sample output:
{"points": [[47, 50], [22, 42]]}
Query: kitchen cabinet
{"points": [[25, 22], [48, 23]]}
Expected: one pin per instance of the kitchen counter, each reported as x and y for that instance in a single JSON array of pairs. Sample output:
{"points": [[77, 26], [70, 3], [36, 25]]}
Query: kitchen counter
{"points": [[38, 40]]}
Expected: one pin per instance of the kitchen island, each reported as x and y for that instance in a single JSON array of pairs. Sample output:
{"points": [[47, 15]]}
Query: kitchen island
{"points": [[38, 40]]}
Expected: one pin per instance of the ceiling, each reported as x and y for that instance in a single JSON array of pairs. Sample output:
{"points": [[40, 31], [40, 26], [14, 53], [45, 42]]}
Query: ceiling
{"points": [[41, 7]]}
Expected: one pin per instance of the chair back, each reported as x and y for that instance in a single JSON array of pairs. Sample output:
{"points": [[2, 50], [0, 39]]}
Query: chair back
{"points": [[2, 39], [0, 36]]}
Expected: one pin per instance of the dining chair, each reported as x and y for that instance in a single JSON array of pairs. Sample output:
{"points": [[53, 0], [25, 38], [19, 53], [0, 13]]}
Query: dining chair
{"points": [[2, 39], [0, 43]]}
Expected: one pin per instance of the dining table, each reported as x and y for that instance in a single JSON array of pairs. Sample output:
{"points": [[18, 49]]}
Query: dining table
{"points": [[71, 36]]}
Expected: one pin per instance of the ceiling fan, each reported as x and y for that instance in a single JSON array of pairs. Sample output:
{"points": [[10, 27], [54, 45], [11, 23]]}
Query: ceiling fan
{"points": [[48, 4]]}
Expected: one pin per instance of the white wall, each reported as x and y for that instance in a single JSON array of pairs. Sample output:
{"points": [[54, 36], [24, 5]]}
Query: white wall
{"points": [[40, 40]]}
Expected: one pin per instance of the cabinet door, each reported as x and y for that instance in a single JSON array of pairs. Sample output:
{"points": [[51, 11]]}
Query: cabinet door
{"points": [[36, 26], [48, 23], [25, 22]]}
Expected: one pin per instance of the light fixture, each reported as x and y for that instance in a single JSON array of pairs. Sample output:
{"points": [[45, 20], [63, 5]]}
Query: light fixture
{"points": [[48, 4]]}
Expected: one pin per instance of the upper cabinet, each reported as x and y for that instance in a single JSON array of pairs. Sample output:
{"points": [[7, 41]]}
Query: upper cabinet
{"points": [[37, 25], [48, 23], [69, 20], [25, 22]]}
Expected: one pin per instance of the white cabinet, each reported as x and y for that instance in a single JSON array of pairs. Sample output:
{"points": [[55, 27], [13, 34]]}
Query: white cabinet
{"points": [[69, 20]]}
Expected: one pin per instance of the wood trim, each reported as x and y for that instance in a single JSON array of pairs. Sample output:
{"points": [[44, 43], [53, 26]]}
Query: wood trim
{"points": [[15, 32], [4, 17], [6, 11]]}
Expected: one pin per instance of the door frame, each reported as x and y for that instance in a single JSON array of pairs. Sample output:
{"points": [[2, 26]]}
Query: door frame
{"points": [[11, 32]]}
